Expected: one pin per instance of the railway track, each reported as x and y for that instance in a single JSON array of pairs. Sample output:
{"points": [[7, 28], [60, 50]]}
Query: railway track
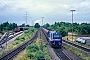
{"points": [[7, 37], [14, 35], [14, 52], [59, 52], [87, 50]]}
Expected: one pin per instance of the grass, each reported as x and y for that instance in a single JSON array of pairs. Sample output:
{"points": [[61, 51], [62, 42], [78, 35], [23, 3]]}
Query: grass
{"points": [[79, 53], [21, 39], [35, 51]]}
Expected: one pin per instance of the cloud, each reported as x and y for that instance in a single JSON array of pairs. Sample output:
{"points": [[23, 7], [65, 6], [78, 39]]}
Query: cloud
{"points": [[85, 4], [37, 21], [51, 9]]}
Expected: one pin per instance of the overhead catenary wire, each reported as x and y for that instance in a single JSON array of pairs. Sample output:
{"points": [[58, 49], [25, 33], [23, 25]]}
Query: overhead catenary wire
{"points": [[2, 11], [8, 7], [11, 9], [10, 3]]}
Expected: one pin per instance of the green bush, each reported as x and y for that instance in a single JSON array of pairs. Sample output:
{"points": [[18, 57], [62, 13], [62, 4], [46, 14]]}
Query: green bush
{"points": [[32, 30], [16, 42], [44, 45], [30, 55], [26, 32], [18, 38], [39, 55], [32, 48], [23, 38], [47, 57]]}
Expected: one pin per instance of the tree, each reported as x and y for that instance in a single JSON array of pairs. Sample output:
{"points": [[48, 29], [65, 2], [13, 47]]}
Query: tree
{"points": [[62, 30], [64, 27], [37, 25], [27, 26], [46, 26], [7, 26], [23, 25]]}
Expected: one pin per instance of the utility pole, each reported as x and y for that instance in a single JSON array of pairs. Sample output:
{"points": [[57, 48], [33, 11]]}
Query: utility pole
{"points": [[0, 28], [41, 34], [72, 23], [32, 23], [42, 21], [26, 17]]}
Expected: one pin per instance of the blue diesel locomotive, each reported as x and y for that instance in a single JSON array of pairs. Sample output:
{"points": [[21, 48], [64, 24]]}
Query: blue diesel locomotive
{"points": [[55, 38]]}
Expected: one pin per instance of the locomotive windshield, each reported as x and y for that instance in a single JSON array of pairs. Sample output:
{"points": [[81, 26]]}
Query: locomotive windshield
{"points": [[56, 36]]}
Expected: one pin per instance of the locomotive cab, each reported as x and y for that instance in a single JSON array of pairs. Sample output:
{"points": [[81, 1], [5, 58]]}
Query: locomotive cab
{"points": [[55, 39]]}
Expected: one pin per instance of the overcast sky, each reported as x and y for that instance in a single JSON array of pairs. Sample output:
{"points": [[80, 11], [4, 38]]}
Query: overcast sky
{"points": [[51, 10]]}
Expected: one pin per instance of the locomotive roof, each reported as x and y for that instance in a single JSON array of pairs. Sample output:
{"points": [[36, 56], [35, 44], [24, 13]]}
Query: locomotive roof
{"points": [[54, 32]]}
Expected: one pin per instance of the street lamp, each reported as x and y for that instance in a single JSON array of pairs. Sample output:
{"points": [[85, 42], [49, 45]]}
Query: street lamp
{"points": [[72, 23]]}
